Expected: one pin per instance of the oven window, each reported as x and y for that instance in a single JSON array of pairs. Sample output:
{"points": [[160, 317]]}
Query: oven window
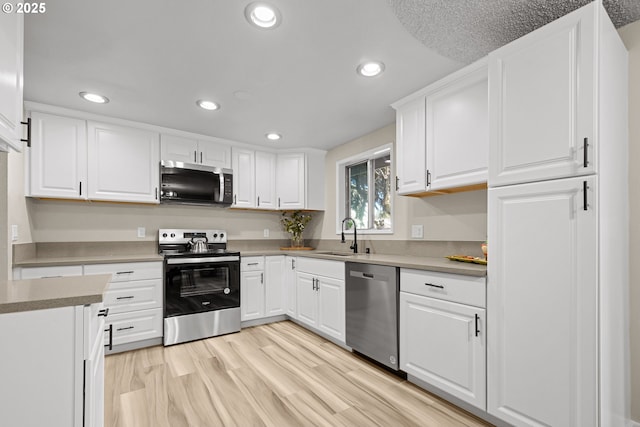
{"points": [[201, 281]]}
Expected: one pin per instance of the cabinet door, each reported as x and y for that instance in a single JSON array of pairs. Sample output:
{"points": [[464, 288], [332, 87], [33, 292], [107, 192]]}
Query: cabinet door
{"points": [[58, 157], [275, 296], [307, 299], [290, 286], [290, 181], [123, 163], [410, 147], [443, 344], [244, 178], [178, 149], [266, 180], [94, 326], [252, 295], [214, 154], [11, 59], [458, 131], [331, 307], [541, 103], [542, 303]]}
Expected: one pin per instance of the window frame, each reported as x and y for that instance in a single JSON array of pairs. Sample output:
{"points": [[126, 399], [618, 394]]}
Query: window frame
{"points": [[342, 185]]}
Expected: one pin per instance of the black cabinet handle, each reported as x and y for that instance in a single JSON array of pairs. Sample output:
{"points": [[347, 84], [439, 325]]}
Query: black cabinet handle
{"points": [[80, 188], [201, 157], [293, 264], [110, 330], [28, 140], [477, 322], [104, 312], [125, 272], [253, 263], [258, 200], [127, 297], [397, 183], [434, 286], [584, 195], [585, 157], [195, 158], [428, 178], [261, 278], [125, 328]]}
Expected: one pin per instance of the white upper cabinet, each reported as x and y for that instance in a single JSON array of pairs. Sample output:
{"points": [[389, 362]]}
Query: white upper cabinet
{"points": [[291, 181], [442, 135], [411, 166], [265, 180], [541, 103], [11, 59], [209, 153], [123, 163], [58, 156], [244, 177], [458, 130]]}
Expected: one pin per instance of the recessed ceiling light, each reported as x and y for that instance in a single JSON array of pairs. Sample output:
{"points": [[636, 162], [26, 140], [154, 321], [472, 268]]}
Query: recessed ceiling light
{"points": [[262, 15], [370, 68], [273, 136], [207, 105], [94, 97]]}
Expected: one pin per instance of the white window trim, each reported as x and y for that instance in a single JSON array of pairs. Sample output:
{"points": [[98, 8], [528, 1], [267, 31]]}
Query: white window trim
{"points": [[340, 187]]}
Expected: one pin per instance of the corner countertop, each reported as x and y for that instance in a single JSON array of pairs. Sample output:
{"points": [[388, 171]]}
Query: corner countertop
{"points": [[54, 292], [442, 265]]}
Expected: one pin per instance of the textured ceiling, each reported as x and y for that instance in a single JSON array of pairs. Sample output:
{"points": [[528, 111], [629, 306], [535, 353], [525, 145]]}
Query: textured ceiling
{"points": [[468, 30]]}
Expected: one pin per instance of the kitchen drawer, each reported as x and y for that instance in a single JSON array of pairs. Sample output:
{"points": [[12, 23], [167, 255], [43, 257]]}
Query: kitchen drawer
{"points": [[53, 271], [130, 296], [123, 272], [252, 263], [321, 267], [450, 287], [134, 326]]}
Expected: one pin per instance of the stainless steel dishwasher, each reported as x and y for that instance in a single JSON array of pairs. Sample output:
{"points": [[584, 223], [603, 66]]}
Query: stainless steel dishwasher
{"points": [[372, 311]]}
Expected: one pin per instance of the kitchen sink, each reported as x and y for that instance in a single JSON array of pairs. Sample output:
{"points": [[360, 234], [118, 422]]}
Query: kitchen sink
{"points": [[337, 253]]}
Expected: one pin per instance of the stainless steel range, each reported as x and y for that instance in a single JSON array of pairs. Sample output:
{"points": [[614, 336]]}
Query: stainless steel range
{"points": [[201, 285]]}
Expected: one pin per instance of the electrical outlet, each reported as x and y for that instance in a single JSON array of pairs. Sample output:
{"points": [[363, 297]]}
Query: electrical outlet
{"points": [[417, 231], [14, 233], [266, 232], [142, 232]]}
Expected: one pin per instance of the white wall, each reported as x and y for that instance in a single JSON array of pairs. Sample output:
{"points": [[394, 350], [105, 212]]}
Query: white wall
{"points": [[631, 36], [461, 216]]}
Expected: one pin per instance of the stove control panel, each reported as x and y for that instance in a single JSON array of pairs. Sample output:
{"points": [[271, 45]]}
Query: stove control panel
{"points": [[177, 236]]}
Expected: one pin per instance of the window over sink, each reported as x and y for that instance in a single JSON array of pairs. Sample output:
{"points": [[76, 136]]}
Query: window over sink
{"points": [[364, 191]]}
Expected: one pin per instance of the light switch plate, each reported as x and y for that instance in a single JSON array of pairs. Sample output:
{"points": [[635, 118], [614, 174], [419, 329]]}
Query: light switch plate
{"points": [[417, 231], [266, 232], [14, 233], [142, 232]]}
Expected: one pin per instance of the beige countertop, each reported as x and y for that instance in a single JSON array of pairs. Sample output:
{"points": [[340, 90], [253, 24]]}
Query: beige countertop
{"points": [[92, 259], [37, 294], [441, 265]]}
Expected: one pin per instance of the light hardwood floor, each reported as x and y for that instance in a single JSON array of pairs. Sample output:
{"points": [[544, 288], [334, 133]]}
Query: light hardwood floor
{"points": [[271, 375]]}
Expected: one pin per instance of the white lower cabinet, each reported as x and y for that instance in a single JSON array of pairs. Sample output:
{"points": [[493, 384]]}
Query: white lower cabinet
{"points": [[52, 367], [289, 281], [442, 342], [262, 292], [135, 300], [320, 292]]}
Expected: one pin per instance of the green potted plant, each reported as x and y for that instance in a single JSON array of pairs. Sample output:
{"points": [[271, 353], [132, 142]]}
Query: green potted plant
{"points": [[294, 223]]}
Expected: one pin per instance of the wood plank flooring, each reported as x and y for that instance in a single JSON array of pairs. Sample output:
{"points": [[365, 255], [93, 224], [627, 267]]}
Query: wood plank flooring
{"points": [[271, 375]]}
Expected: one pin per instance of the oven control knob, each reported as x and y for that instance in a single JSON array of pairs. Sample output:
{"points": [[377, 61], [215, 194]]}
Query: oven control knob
{"points": [[221, 235], [215, 235], [173, 234], [164, 234]]}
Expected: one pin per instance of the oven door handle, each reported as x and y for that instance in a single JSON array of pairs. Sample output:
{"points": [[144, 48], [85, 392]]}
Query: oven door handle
{"points": [[203, 260]]}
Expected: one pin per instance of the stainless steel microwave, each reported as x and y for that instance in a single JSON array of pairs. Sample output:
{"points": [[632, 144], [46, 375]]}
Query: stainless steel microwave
{"points": [[194, 184]]}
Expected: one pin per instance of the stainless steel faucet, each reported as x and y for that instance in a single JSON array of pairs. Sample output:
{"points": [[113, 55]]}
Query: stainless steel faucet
{"points": [[354, 246]]}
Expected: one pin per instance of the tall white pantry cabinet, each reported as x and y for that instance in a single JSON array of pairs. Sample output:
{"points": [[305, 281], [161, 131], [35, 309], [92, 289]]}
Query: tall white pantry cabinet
{"points": [[558, 226]]}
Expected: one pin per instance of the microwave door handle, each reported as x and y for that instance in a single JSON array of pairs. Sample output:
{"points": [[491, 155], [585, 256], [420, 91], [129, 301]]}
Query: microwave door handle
{"points": [[221, 187]]}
